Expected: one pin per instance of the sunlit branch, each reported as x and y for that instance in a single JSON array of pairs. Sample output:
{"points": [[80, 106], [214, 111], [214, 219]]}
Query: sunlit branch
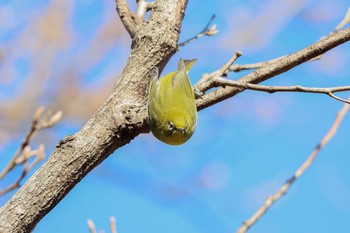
{"points": [[39, 156], [127, 17], [240, 67], [277, 67], [202, 84]]}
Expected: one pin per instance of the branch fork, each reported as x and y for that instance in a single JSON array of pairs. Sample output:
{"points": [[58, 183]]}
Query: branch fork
{"points": [[131, 21]]}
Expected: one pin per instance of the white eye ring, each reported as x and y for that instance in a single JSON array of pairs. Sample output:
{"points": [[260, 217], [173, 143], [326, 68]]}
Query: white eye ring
{"points": [[171, 126]]}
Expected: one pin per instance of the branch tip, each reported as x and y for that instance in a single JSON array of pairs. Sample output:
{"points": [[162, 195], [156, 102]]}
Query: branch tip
{"points": [[205, 32]]}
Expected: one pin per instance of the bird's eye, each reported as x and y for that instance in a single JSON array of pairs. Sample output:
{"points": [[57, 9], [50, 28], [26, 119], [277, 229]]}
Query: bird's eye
{"points": [[171, 126], [184, 131]]}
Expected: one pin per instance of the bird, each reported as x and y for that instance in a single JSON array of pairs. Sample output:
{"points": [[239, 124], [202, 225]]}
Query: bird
{"points": [[172, 110]]}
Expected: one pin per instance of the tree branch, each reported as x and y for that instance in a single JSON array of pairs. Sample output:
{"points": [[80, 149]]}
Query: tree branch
{"points": [[240, 67], [274, 68], [24, 154], [300, 171], [121, 118], [36, 125], [206, 81], [218, 81], [39, 156]]}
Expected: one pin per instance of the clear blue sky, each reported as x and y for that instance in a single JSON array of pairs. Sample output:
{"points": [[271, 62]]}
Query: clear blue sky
{"points": [[243, 148]]}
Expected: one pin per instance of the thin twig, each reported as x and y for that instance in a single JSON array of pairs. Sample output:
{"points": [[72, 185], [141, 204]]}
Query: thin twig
{"points": [[218, 81], [344, 21], [36, 125], [238, 67], [40, 155], [25, 153], [205, 32], [202, 84], [283, 190], [91, 226], [113, 225], [32, 130]]}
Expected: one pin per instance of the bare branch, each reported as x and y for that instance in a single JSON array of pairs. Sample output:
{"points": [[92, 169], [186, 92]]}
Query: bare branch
{"points": [[91, 226], [25, 142], [239, 67], [203, 84], [218, 81], [119, 120], [127, 17], [112, 223], [205, 32], [283, 190], [39, 156], [25, 153], [274, 68], [36, 125]]}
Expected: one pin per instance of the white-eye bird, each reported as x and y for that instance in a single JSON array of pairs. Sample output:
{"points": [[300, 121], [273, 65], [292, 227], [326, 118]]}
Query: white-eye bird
{"points": [[172, 110]]}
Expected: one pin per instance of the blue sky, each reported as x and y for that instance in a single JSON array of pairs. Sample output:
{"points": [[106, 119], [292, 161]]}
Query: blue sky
{"points": [[243, 149]]}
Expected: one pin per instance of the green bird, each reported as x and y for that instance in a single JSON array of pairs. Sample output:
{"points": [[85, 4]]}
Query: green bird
{"points": [[172, 110]]}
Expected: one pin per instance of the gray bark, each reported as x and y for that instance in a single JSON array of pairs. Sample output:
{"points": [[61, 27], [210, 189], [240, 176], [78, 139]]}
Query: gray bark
{"points": [[121, 118]]}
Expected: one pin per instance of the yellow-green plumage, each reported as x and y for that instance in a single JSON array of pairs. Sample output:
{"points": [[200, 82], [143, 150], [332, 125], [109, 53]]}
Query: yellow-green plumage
{"points": [[171, 106]]}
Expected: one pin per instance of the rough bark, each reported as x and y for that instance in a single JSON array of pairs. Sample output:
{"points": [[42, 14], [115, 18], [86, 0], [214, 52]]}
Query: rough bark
{"points": [[123, 116], [117, 122]]}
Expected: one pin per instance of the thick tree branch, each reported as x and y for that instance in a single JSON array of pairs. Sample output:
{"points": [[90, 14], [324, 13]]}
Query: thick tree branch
{"points": [[300, 171], [275, 68], [121, 118]]}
